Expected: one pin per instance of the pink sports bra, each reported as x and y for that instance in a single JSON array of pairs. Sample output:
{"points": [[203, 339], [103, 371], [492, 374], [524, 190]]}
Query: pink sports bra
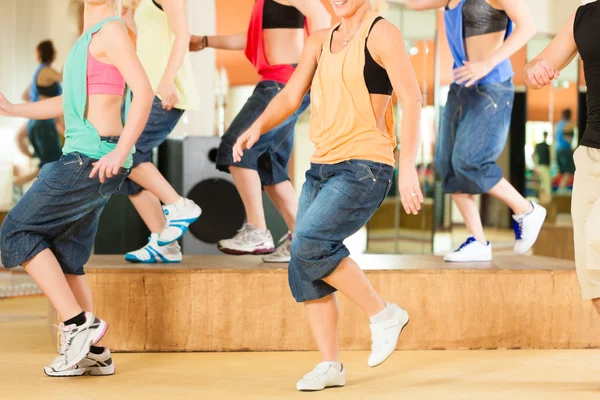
{"points": [[103, 78]]}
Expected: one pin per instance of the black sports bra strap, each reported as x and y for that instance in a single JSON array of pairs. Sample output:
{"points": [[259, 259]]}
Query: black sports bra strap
{"points": [[373, 24]]}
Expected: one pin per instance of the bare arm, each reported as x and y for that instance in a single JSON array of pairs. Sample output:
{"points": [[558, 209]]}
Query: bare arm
{"points": [[45, 109], [175, 11], [388, 45], [540, 71], [315, 11], [288, 100], [426, 4], [236, 41]]}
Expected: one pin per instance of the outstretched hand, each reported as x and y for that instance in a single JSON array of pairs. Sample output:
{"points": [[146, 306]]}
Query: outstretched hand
{"points": [[410, 190], [246, 141], [108, 166]]}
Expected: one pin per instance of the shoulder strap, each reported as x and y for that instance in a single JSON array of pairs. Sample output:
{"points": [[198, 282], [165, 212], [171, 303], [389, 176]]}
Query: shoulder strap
{"points": [[373, 24]]}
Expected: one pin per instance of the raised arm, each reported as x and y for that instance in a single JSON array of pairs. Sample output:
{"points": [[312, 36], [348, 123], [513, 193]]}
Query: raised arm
{"points": [[45, 109], [388, 46], [175, 11], [315, 11], [121, 52], [517, 11], [235, 41], [289, 99], [426, 4], [540, 71]]}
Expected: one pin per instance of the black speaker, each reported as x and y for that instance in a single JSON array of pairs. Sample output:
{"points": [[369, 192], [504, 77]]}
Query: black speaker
{"points": [[188, 163]]}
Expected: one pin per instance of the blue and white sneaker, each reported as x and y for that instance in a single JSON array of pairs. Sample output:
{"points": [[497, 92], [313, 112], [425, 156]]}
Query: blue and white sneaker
{"points": [[153, 253], [471, 251], [179, 217], [527, 227]]}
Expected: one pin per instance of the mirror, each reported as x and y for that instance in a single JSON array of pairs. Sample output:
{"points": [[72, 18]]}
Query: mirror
{"points": [[391, 230]]}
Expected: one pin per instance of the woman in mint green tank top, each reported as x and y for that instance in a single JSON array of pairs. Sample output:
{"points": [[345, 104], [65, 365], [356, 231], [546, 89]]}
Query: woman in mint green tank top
{"points": [[51, 230]]}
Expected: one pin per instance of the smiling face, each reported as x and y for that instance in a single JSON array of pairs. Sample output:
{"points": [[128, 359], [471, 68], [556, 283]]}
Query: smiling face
{"points": [[349, 8]]}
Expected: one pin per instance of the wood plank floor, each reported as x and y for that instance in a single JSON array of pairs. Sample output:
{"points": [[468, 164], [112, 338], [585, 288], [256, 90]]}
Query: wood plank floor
{"points": [[413, 375]]}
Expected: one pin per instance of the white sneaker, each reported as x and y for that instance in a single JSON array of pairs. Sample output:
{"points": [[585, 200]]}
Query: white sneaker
{"points": [[178, 220], [283, 253], [249, 240], [471, 251], [385, 335], [77, 340], [92, 364], [527, 228], [323, 376], [153, 253]]}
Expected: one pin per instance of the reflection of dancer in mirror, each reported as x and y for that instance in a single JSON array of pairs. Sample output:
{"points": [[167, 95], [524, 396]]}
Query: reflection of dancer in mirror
{"points": [[579, 34], [542, 167], [477, 116], [43, 135], [273, 44], [352, 67], [565, 130], [51, 230], [162, 45]]}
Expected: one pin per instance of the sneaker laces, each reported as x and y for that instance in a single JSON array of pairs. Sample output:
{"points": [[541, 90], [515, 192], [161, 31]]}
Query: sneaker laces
{"points": [[63, 339], [466, 244], [518, 228]]}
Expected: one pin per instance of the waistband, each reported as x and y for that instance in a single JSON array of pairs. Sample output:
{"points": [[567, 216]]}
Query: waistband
{"points": [[110, 139]]}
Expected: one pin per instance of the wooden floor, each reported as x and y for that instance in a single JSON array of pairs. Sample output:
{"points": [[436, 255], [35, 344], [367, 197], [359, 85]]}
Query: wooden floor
{"points": [[413, 375]]}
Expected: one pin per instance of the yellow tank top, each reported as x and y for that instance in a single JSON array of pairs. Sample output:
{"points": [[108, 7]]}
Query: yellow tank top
{"points": [[154, 41], [342, 123]]}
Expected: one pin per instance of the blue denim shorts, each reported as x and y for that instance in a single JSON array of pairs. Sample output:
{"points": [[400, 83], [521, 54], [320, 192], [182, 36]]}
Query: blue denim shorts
{"points": [[336, 201], [270, 155], [45, 140], [472, 136], [60, 212], [160, 124]]}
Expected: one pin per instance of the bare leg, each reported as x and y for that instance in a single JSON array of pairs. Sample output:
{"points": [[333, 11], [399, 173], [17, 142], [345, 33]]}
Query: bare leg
{"points": [[46, 272], [349, 279], [323, 319], [149, 177], [149, 208], [248, 185], [322, 314], [470, 212], [284, 198], [504, 191], [596, 302], [81, 290]]}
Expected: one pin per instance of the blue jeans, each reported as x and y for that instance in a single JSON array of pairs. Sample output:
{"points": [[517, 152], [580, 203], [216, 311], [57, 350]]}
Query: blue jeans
{"points": [[271, 154], [336, 201], [472, 136], [45, 140], [160, 124], [59, 212]]}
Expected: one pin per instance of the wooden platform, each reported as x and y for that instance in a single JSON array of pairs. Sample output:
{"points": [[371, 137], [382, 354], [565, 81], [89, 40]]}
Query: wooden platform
{"points": [[224, 303], [555, 241]]}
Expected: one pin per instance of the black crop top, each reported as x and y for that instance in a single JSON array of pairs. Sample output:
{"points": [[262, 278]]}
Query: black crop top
{"points": [[376, 77], [586, 29], [279, 16], [49, 91], [480, 18]]}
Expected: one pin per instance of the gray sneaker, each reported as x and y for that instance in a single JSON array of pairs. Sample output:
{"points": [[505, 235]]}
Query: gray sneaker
{"points": [[283, 252], [249, 240], [92, 364], [76, 342]]}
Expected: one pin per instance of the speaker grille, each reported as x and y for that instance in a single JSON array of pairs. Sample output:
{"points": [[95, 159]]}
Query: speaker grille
{"points": [[222, 210]]}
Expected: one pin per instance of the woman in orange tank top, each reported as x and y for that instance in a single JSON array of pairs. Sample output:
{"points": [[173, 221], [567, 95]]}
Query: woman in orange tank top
{"points": [[351, 70]]}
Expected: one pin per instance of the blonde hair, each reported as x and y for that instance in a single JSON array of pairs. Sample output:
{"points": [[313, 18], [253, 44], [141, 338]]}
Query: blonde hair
{"points": [[379, 5]]}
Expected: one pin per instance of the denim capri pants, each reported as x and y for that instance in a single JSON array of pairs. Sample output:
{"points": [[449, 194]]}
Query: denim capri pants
{"points": [[336, 201], [59, 212], [472, 136]]}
